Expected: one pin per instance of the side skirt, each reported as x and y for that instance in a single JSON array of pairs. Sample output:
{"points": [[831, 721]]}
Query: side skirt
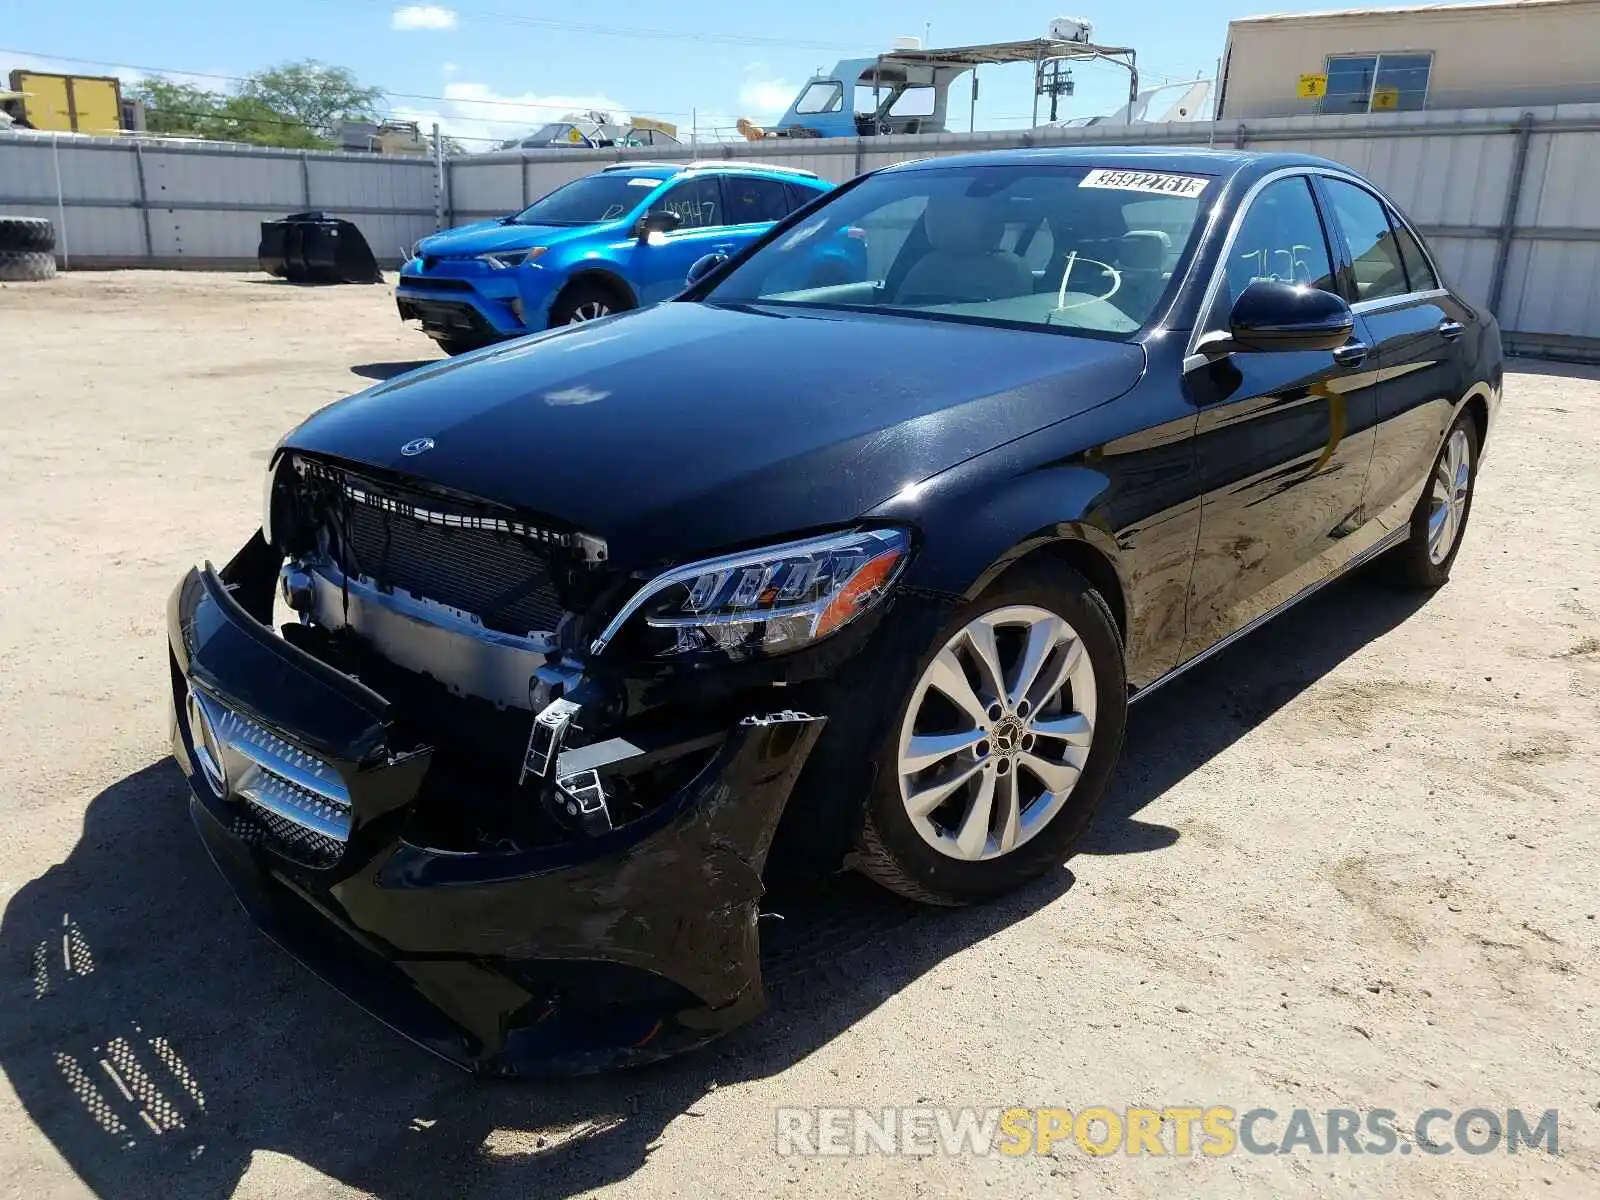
{"points": [[1388, 542]]}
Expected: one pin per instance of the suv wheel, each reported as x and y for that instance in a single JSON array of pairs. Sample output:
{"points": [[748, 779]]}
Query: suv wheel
{"points": [[1004, 745], [585, 301]]}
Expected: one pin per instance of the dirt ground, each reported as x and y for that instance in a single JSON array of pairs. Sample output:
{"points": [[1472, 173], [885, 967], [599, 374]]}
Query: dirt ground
{"points": [[1350, 863]]}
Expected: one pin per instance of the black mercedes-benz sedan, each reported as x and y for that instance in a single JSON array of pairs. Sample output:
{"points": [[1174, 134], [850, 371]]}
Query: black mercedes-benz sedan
{"points": [[545, 658]]}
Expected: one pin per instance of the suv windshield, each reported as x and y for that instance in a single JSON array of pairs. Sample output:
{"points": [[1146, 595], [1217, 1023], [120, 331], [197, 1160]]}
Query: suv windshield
{"points": [[586, 201], [1081, 249]]}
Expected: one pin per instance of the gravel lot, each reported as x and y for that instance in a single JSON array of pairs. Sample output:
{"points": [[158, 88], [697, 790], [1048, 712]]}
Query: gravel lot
{"points": [[1350, 863]]}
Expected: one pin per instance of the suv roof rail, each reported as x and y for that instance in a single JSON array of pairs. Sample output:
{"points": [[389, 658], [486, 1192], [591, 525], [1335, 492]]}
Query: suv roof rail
{"points": [[746, 164], [714, 164]]}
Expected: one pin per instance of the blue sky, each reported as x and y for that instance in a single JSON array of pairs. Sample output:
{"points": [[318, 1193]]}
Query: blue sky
{"points": [[492, 68]]}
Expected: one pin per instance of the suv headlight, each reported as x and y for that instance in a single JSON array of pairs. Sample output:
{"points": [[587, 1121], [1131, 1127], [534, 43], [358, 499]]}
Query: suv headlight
{"points": [[763, 601], [512, 258]]}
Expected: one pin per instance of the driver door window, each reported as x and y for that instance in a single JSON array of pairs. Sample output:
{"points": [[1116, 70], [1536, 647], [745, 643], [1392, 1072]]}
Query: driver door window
{"points": [[698, 203], [1281, 239]]}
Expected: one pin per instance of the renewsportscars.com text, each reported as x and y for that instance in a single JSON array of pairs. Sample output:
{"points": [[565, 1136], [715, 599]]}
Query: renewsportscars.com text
{"points": [[1176, 1130]]}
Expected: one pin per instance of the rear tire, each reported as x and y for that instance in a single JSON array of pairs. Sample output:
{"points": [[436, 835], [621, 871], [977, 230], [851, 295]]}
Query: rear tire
{"points": [[1004, 824], [1439, 521], [26, 266], [585, 301]]}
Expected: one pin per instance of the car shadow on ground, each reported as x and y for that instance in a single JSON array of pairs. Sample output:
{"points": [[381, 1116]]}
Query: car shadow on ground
{"points": [[159, 1042], [381, 371]]}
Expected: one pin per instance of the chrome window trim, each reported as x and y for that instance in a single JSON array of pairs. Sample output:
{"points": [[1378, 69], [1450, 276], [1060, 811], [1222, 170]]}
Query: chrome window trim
{"points": [[1219, 267]]}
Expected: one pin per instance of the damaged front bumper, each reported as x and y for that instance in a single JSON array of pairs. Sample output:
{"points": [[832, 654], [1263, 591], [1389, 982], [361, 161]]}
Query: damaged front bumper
{"points": [[591, 950]]}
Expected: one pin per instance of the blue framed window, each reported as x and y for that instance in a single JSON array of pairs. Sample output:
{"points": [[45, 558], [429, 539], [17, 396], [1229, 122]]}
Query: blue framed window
{"points": [[1359, 83]]}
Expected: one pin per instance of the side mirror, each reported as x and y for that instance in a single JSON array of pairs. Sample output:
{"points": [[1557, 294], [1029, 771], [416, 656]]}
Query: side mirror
{"points": [[704, 266], [657, 220], [1269, 316]]}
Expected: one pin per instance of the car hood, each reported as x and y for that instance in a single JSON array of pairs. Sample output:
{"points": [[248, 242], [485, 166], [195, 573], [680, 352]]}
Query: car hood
{"points": [[487, 237], [688, 427]]}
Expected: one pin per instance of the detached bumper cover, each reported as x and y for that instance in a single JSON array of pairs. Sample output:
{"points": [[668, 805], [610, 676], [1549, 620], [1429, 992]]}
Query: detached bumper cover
{"points": [[588, 954]]}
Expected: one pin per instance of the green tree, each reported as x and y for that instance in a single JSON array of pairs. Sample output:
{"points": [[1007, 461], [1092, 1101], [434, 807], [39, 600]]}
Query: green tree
{"points": [[314, 94], [298, 105]]}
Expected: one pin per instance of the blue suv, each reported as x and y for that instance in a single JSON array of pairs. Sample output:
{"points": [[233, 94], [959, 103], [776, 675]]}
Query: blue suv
{"points": [[619, 239]]}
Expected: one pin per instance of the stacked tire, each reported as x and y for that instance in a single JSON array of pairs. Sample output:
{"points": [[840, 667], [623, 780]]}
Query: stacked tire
{"points": [[27, 249]]}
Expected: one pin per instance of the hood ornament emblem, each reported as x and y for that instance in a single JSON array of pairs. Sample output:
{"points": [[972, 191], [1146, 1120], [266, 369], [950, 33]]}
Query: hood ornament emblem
{"points": [[417, 446]]}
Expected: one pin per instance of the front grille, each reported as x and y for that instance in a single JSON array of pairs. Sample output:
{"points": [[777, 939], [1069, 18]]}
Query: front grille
{"points": [[451, 553], [440, 283], [287, 797]]}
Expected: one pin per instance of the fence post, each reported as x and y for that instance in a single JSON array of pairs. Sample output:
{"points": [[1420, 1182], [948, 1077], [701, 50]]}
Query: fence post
{"points": [[61, 204], [1239, 137], [438, 179], [859, 154], [1508, 219], [305, 181], [144, 200], [522, 171]]}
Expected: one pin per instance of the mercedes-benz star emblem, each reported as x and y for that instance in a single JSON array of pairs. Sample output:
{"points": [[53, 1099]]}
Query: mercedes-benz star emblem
{"points": [[416, 446]]}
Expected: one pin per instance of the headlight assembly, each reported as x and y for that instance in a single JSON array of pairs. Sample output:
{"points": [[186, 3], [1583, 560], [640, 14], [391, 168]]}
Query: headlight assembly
{"points": [[512, 258], [762, 601]]}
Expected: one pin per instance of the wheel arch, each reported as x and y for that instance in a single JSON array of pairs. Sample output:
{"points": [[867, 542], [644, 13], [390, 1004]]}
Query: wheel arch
{"points": [[1083, 548], [1476, 405], [592, 273]]}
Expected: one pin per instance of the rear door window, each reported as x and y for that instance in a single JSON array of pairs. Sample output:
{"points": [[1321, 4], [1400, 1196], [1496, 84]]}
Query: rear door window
{"points": [[1360, 216], [750, 199]]}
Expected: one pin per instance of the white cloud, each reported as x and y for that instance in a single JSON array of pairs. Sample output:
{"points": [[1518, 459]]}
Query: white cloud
{"points": [[766, 99], [478, 115], [423, 16]]}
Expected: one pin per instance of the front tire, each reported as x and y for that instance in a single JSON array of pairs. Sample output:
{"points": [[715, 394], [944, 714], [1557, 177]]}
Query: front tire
{"points": [[1004, 745], [585, 301], [454, 346], [1439, 521]]}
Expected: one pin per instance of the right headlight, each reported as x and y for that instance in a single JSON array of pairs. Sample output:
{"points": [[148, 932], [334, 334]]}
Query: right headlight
{"points": [[765, 601]]}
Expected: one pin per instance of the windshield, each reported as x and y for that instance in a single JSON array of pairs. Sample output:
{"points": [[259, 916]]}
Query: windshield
{"points": [[589, 200], [1080, 249]]}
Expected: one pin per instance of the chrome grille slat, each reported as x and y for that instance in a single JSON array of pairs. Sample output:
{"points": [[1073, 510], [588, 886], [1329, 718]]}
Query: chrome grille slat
{"points": [[275, 778]]}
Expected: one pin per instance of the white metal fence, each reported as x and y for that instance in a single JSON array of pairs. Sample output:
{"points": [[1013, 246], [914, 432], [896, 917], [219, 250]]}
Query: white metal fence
{"points": [[1504, 193], [153, 203]]}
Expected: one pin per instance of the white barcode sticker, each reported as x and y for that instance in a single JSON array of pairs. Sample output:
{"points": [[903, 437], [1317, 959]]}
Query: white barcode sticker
{"points": [[1146, 181]]}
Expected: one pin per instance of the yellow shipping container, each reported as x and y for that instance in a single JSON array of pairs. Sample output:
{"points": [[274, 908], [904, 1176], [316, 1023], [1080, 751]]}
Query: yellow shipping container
{"points": [[70, 103]]}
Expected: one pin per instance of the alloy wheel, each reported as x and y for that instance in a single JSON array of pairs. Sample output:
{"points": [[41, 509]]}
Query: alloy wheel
{"points": [[997, 733], [592, 311], [1452, 479]]}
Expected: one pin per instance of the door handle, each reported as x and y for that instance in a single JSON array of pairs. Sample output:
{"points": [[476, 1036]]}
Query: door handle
{"points": [[1451, 330], [1352, 354]]}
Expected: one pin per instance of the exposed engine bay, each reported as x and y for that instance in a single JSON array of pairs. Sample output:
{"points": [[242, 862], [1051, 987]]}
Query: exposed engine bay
{"points": [[472, 622]]}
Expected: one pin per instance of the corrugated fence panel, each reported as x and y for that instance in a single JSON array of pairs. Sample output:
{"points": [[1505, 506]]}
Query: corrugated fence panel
{"points": [[270, 181], [1553, 287], [485, 188], [1467, 264]]}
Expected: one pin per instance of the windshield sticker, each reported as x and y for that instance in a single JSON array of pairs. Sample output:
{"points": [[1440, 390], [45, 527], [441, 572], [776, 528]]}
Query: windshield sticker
{"points": [[643, 181], [1146, 181]]}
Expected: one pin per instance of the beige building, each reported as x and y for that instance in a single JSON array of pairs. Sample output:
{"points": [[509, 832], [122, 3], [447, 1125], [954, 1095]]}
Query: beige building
{"points": [[1474, 55]]}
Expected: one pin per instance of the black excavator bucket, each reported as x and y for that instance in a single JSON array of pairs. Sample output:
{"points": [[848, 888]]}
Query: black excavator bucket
{"points": [[311, 247]]}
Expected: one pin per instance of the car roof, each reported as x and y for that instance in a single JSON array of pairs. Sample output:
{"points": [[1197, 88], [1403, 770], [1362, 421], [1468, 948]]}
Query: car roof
{"points": [[1177, 160]]}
